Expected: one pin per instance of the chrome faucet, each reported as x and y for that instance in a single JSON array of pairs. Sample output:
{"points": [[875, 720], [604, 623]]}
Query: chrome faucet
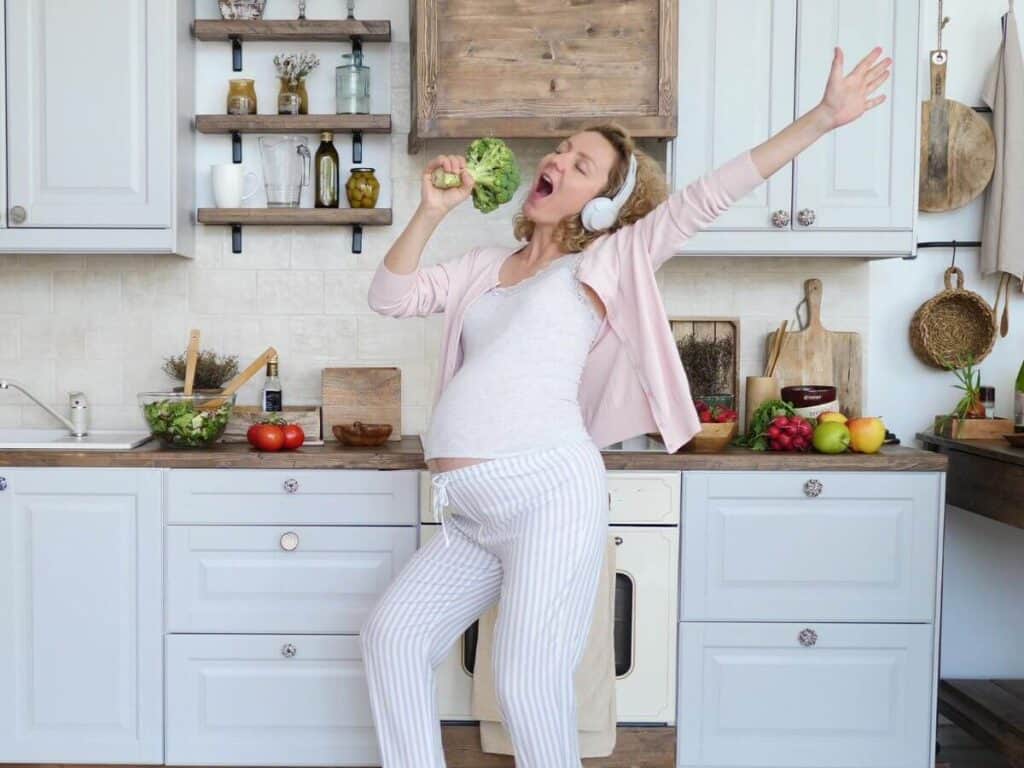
{"points": [[78, 424]]}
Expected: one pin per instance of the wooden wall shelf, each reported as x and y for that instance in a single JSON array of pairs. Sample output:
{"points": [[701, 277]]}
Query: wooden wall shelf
{"points": [[296, 216], [293, 123], [316, 30]]}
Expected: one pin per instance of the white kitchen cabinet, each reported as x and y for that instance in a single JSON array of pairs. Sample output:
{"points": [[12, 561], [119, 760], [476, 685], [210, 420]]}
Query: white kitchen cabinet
{"points": [[853, 192], [809, 619], [98, 145], [268, 700], [757, 547], [777, 695], [80, 616], [261, 578]]}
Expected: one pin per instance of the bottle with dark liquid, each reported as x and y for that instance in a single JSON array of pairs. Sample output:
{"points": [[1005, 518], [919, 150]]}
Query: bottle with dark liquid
{"points": [[326, 170], [272, 395], [1018, 402]]}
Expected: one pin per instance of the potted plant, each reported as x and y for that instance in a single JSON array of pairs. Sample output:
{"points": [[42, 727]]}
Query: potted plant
{"points": [[292, 70], [212, 370], [968, 420]]}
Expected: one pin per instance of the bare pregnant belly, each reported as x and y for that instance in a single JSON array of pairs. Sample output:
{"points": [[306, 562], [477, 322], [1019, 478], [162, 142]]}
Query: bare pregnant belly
{"points": [[444, 463]]}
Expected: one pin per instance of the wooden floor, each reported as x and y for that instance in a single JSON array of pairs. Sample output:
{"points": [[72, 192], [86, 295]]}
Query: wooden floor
{"points": [[958, 749], [991, 711]]}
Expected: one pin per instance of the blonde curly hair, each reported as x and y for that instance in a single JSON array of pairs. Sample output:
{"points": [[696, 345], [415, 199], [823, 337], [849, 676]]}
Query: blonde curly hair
{"points": [[650, 190]]}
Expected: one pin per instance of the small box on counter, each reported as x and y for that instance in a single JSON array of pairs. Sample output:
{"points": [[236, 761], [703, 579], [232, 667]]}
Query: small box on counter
{"points": [[973, 429], [244, 416]]}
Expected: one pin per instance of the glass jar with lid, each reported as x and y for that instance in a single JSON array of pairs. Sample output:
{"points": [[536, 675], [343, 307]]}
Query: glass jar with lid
{"points": [[362, 188], [241, 96], [352, 85]]}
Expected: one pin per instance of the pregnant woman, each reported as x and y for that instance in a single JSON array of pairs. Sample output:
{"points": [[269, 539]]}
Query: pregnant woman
{"points": [[551, 350]]}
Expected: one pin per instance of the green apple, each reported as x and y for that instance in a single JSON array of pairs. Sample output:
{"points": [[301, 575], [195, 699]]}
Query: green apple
{"points": [[831, 437]]}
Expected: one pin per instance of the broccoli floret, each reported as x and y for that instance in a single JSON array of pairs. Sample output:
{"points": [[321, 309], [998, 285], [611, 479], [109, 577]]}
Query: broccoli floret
{"points": [[494, 170]]}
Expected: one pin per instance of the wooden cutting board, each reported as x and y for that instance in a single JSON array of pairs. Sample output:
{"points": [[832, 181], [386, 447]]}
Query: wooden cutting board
{"points": [[819, 356], [370, 395], [958, 150]]}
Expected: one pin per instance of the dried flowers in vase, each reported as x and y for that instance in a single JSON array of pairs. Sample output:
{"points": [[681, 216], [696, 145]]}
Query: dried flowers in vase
{"points": [[292, 70]]}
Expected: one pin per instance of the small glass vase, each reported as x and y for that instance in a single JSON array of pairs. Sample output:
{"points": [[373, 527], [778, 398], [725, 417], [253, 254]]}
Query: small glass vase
{"points": [[292, 99]]}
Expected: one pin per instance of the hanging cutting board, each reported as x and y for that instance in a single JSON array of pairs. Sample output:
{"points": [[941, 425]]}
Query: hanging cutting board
{"points": [[958, 150], [371, 395], [816, 355]]}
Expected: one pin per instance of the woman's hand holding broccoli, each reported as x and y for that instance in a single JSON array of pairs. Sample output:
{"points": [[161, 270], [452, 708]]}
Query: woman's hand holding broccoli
{"points": [[441, 201]]}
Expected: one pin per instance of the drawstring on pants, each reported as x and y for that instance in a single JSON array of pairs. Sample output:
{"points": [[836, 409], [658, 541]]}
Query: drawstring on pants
{"points": [[440, 483]]}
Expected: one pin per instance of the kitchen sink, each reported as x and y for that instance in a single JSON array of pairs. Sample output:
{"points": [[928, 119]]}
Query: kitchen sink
{"points": [[60, 440]]}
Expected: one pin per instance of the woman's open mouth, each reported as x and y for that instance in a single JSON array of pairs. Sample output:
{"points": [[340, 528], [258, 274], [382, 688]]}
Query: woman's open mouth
{"points": [[544, 187]]}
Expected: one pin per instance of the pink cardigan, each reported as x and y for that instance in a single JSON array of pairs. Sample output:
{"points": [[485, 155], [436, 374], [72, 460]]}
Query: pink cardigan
{"points": [[633, 381]]}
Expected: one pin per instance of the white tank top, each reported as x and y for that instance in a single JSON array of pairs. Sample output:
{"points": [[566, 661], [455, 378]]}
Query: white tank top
{"points": [[523, 351]]}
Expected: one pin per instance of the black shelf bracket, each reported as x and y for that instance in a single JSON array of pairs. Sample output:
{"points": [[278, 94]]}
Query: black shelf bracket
{"points": [[236, 238], [357, 238], [236, 54], [357, 147], [236, 147]]}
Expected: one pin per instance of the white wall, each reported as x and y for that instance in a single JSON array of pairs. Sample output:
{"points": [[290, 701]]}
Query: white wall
{"points": [[983, 613]]}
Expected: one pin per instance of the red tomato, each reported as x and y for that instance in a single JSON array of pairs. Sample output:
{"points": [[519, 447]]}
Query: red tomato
{"points": [[293, 436], [266, 437]]}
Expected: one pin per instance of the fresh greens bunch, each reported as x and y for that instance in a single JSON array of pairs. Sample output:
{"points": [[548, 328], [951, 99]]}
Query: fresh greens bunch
{"points": [[756, 438], [494, 170], [179, 422]]}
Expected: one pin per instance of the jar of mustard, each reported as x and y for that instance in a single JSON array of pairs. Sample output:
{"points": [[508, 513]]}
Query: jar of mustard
{"points": [[241, 96], [362, 188]]}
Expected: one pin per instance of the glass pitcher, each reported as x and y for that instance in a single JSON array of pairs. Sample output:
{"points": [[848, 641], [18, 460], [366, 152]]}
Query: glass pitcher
{"points": [[286, 165]]}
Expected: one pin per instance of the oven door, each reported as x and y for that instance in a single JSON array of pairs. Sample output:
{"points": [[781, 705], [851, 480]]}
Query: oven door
{"points": [[645, 630]]}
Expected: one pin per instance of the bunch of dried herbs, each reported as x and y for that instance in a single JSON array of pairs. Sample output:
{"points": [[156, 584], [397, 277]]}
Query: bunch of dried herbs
{"points": [[212, 370], [708, 363]]}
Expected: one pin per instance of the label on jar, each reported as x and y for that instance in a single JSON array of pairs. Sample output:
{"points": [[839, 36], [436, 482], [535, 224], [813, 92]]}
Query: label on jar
{"points": [[272, 400]]}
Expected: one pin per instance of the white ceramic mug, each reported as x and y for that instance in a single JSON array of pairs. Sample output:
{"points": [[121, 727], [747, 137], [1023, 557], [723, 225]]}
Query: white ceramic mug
{"points": [[229, 184]]}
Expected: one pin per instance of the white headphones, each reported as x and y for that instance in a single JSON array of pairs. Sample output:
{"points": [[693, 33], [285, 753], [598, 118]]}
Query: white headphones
{"points": [[601, 212]]}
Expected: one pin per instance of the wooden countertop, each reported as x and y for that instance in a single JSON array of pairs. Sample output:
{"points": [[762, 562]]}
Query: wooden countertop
{"points": [[407, 453], [985, 477]]}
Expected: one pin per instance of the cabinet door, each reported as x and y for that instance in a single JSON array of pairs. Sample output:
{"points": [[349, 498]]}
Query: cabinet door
{"points": [[735, 90], [757, 547], [268, 700], [80, 605], [864, 174], [89, 124], [859, 695]]}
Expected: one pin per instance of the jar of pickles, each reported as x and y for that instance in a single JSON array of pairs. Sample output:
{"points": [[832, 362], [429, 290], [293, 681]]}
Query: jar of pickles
{"points": [[362, 188], [241, 96]]}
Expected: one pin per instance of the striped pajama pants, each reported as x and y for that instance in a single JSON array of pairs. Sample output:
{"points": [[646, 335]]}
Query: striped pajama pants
{"points": [[529, 531]]}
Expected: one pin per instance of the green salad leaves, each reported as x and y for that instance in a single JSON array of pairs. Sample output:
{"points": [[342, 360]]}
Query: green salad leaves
{"points": [[179, 422]]}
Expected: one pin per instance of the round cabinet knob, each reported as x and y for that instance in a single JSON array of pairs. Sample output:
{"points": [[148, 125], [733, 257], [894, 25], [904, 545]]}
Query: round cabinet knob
{"points": [[806, 217], [291, 485], [813, 488], [3, 483], [780, 219], [618, 541], [287, 650], [807, 637], [18, 215], [289, 541]]}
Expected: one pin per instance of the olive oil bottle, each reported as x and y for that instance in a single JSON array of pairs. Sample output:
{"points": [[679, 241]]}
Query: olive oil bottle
{"points": [[327, 172]]}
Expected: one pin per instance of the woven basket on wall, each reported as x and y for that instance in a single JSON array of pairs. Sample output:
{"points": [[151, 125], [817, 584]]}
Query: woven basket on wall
{"points": [[952, 326]]}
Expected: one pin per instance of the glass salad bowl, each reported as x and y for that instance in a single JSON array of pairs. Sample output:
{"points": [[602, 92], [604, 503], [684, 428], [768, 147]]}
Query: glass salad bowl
{"points": [[186, 421]]}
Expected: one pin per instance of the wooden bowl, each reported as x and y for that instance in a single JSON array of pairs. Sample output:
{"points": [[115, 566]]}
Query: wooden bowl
{"points": [[714, 437], [363, 435]]}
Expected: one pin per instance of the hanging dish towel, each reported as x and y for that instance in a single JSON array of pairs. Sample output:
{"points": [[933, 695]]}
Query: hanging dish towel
{"points": [[594, 680], [1002, 238]]}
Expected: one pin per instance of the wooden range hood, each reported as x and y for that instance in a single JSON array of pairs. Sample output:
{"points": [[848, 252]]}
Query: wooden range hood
{"points": [[541, 68]]}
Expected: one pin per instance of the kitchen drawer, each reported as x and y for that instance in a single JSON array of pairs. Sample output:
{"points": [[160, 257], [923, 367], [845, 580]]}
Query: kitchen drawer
{"points": [[268, 700], [636, 497], [261, 578], [753, 695], [756, 546], [285, 497]]}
